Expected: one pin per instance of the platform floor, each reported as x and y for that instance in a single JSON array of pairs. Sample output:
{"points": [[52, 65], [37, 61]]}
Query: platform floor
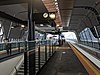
{"points": [[64, 62]]}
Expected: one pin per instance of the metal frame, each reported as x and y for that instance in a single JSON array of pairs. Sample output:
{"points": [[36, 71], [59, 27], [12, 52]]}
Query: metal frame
{"points": [[83, 37], [90, 37], [90, 23], [92, 9], [97, 36]]}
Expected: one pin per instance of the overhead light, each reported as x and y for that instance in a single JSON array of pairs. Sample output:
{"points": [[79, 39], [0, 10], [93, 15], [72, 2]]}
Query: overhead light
{"points": [[63, 52], [56, 3], [57, 25], [52, 15], [22, 26], [12, 27], [41, 24], [55, 0]]}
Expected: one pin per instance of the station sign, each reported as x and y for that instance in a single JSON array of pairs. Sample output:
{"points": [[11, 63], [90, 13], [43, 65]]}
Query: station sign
{"points": [[45, 17], [49, 15]]}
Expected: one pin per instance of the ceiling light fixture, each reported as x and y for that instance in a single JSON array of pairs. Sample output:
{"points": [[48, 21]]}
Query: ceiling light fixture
{"points": [[12, 27], [52, 15], [57, 25], [56, 3], [22, 26], [41, 25]]}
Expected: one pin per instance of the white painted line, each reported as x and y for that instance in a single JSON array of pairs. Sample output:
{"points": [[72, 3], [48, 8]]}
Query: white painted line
{"points": [[90, 57]]}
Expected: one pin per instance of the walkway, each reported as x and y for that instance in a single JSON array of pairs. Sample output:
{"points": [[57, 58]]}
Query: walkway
{"points": [[64, 62]]}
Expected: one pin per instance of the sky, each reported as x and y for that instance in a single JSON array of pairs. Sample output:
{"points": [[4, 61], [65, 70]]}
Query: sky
{"points": [[67, 35]]}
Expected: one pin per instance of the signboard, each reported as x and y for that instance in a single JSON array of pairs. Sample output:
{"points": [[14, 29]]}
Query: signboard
{"points": [[42, 18]]}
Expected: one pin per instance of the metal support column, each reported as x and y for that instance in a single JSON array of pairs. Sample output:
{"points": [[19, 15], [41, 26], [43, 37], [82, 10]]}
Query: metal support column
{"points": [[31, 37]]}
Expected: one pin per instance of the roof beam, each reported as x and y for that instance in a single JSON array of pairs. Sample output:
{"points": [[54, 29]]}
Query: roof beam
{"points": [[11, 18]]}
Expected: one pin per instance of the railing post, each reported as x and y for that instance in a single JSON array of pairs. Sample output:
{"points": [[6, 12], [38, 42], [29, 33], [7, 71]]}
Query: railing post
{"points": [[10, 48], [39, 56], [32, 67], [25, 63], [49, 48], [18, 47], [45, 50], [52, 47], [25, 59]]}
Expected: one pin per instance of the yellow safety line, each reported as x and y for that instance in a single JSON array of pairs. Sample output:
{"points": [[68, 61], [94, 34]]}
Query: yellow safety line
{"points": [[90, 67]]}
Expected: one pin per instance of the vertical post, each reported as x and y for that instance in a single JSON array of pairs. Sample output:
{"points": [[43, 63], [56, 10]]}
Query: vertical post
{"points": [[25, 59], [83, 37], [31, 37], [49, 48], [39, 56], [45, 48], [52, 47], [25, 63], [10, 48], [86, 37], [18, 47], [90, 37], [59, 37]]}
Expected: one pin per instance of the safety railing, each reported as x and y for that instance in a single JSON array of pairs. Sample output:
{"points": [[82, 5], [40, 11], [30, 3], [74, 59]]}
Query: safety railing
{"points": [[39, 55], [11, 48], [36, 53], [91, 44]]}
